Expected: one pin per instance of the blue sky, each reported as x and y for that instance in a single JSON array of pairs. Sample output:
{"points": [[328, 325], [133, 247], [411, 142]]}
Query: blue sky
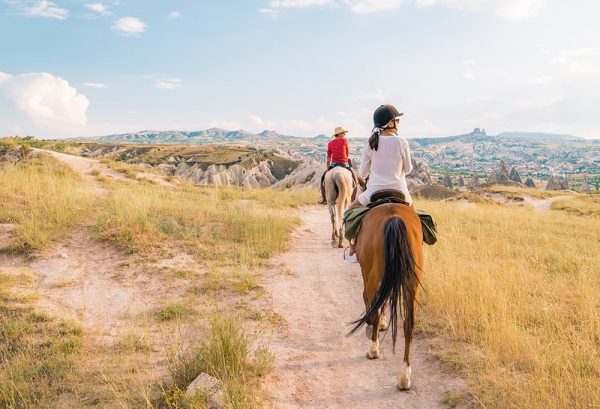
{"points": [[301, 67]]}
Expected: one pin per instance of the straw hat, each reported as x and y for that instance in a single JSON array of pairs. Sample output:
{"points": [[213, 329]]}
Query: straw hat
{"points": [[339, 130]]}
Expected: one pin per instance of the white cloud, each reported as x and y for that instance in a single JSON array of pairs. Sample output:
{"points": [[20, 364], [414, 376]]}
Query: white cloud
{"points": [[132, 26], [43, 102], [297, 4], [166, 83], [96, 85], [271, 12], [519, 10], [356, 6], [175, 14], [511, 10], [98, 8], [39, 8], [373, 6]]}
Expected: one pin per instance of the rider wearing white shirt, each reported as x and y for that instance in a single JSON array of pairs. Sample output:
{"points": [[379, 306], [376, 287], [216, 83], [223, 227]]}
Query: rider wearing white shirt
{"points": [[385, 157]]}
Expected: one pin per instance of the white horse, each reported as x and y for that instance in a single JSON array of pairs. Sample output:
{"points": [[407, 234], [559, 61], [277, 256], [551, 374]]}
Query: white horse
{"points": [[339, 186]]}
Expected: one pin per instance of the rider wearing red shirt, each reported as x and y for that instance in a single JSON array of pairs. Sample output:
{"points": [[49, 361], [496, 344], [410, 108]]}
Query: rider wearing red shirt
{"points": [[337, 155], [337, 150]]}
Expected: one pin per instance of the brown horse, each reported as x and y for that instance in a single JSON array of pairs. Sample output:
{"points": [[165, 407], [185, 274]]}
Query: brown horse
{"points": [[389, 249], [338, 191]]}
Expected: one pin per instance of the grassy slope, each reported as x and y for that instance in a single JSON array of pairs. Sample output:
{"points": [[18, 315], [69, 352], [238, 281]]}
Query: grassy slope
{"points": [[232, 232], [523, 289], [44, 199]]}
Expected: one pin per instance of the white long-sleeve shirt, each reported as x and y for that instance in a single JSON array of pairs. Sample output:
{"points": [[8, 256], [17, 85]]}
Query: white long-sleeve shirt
{"points": [[386, 167]]}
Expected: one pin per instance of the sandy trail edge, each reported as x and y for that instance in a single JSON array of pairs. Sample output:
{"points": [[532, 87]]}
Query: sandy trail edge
{"points": [[316, 364]]}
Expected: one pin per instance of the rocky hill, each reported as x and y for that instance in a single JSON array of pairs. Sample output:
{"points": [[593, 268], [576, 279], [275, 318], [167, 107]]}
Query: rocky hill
{"points": [[532, 154], [216, 164]]}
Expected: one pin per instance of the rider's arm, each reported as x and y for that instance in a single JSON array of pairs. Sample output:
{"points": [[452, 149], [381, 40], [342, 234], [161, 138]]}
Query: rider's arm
{"points": [[406, 160], [329, 154], [365, 161]]}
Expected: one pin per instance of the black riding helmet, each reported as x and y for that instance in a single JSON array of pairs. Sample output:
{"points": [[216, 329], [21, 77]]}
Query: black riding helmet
{"points": [[384, 114]]}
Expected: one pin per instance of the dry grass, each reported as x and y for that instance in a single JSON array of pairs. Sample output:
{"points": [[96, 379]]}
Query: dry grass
{"points": [[44, 199], [228, 356], [38, 355], [229, 226], [129, 170], [581, 205], [523, 290]]}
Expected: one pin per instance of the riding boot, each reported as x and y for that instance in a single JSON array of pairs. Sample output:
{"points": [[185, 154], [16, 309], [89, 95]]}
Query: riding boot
{"points": [[323, 199]]}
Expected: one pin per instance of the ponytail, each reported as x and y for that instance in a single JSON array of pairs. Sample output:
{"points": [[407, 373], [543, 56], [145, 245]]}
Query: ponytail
{"points": [[374, 139]]}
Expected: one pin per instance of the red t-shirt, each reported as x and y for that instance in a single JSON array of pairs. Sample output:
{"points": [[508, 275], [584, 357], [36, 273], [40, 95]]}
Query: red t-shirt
{"points": [[337, 150]]}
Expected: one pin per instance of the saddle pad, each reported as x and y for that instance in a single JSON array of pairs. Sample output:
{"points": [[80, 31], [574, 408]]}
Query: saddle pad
{"points": [[353, 222]]}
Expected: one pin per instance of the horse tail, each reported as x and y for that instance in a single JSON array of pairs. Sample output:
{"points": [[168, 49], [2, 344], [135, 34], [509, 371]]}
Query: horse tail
{"points": [[398, 275]]}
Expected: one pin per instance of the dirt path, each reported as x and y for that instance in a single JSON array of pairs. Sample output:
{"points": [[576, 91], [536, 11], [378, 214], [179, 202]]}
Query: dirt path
{"points": [[542, 205], [316, 364], [89, 167], [79, 278]]}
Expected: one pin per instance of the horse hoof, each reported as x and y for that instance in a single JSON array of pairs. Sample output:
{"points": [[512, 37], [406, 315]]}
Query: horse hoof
{"points": [[372, 355], [383, 326], [404, 378], [334, 244], [404, 386]]}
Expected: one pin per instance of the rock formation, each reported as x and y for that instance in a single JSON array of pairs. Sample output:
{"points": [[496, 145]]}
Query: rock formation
{"points": [[514, 175], [501, 175], [474, 181], [308, 174], [419, 175], [557, 183], [529, 182], [447, 182], [585, 187], [258, 175]]}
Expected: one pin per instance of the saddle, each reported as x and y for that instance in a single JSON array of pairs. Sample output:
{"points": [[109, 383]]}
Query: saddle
{"points": [[387, 196]]}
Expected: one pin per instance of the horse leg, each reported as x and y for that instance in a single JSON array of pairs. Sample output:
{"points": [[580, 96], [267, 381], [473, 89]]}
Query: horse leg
{"points": [[374, 351], [383, 321], [409, 330], [333, 226], [340, 209]]}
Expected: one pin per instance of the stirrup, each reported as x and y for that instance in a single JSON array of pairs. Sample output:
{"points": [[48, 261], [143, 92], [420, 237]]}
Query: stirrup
{"points": [[350, 258]]}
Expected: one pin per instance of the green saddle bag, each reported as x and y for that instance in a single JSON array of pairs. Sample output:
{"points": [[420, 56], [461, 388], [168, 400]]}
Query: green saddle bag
{"points": [[353, 221], [429, 227]]}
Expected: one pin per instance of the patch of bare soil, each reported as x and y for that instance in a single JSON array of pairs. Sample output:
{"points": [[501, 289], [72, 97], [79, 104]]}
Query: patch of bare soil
{"points": [[316, 364], [539, 205], [6, 234]]}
